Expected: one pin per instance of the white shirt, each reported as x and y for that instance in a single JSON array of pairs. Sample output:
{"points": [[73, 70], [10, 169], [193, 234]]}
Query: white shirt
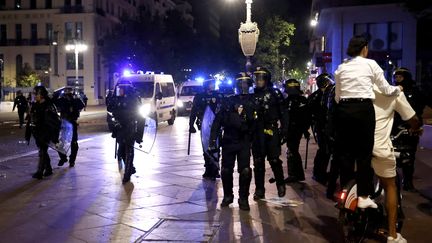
{"points": [[385, 107], [355, 79]]}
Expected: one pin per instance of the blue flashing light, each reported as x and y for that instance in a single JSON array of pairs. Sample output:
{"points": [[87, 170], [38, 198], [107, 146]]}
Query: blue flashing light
{"points": [[199, 79], [229, 81], [127, 72]]}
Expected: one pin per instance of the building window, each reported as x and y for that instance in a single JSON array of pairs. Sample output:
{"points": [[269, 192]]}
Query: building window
{"points": [[49, 33], [70, 61], [34, 34], [77, 84], [78, 2], [79, 30], [33, 4], [48, 4], [68, 31], [18, 34], [3, 35], [19, 63], [68, 3], [18, 4], [2, 4], [42, 61]]}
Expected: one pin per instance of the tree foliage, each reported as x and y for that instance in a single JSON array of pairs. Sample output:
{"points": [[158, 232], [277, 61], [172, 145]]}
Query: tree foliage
{"points": [[272, 47], [28, 77]]}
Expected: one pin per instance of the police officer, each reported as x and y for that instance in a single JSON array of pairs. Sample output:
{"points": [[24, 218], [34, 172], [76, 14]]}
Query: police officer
{"points": [[268, 103], [44, 125], [318, 104], [128, 124], [212, 99], [418, 102], [70, 107], [296, 125], [236, 118], [21, 103]]}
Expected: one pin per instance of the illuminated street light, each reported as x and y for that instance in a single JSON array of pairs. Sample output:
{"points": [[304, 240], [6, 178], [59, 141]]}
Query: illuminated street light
{"points": [[77, 47], [248, 32], [314, 21]]}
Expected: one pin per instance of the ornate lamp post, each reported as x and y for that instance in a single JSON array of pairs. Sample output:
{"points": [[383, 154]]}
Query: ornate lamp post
{"points": [[248, 34], [77, 47]]}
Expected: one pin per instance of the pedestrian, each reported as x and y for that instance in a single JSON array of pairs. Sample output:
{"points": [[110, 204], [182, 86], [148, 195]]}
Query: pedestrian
{"points": [[418, 102], [296, 124], [383, 160], [21, 103], [128, 124], [44, 124], [85, 99], [236, 120], [70, 108], [211, 98], [268, 102], [355, 116], [318, 105]]}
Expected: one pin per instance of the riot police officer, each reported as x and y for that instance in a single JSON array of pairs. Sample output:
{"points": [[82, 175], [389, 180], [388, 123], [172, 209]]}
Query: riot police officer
{"points": [[418, 102], [296, 125], [128, 124], [21, 103], [268, 103], [70, 107], [236, 119], [212, 99], [44, 124], [318, 104]]}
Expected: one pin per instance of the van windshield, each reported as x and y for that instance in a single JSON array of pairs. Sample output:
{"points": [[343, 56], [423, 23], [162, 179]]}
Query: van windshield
{"points": [[191, 90], [145, 89]]}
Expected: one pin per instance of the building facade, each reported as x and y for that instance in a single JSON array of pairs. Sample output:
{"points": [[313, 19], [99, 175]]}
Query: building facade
{"points": [[390, 28], [34, 35]]}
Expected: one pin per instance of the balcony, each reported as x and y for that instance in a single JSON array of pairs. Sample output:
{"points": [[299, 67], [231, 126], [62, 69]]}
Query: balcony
{"points": [[72, 9], [25, 42]]}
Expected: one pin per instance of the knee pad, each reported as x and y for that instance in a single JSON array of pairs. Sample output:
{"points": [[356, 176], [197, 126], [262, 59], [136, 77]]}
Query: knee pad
{"points": [[246, 172], [226, 170], [275, 161]]}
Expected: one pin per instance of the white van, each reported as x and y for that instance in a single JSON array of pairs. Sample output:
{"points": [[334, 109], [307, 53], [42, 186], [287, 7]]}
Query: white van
{"points": [[158, 95], [186, 94]]}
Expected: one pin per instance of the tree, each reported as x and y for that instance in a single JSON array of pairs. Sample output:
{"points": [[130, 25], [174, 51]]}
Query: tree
{"points": [[272, 47], [29, 77]]}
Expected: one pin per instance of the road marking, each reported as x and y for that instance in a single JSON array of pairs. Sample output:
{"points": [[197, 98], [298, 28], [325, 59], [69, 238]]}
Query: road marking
{"points": [[17, 156]]}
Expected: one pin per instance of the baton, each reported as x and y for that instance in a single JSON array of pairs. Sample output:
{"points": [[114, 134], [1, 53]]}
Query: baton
{"points": [[306, 155], [189, 143], [115, 149]]}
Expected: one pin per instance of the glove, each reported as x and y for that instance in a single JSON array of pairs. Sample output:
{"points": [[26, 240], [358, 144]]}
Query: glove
{"points": [[192, 129], [212, 148], [283, 140], [306, 134]]}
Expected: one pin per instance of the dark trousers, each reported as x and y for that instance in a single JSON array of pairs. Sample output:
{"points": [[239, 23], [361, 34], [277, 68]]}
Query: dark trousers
{"points": [[44, 163], [355, 129], [74, 145], [126, 153], [21, 112], [267, 146], [294, 160], [241, 153], [322, 156]]}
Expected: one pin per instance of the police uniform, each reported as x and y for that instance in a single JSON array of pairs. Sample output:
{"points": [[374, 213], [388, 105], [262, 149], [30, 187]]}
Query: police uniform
{"points": [[236, 119], [268, 102], [418, 102], [44, 124], [296, 124], [128, 125], [70, 108], [21, 103], [213, 100]]}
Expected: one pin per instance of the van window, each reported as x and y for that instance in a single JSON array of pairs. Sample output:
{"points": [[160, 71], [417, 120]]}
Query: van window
{"points": [[167, 89], [191, 90], [145, 89]]}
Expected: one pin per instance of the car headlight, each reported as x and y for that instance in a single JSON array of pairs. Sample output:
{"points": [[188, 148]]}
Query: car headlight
{"points": [[145, 110], [180, 103]]}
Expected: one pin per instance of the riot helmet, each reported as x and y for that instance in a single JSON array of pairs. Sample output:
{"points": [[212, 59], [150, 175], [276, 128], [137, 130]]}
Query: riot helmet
{"points": [[403, 77], [243, 83], [209, 85], [323, 80], [124, 88], [292, 87], [262, 77], [68, 92]]}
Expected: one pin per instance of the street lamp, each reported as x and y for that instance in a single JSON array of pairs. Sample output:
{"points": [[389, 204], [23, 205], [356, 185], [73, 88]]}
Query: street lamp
{"points": [[248, 34], [77, 47]]}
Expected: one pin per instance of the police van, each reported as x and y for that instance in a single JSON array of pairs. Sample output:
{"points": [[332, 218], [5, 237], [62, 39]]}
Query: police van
{"points": [[158, 95], [186, 94]]}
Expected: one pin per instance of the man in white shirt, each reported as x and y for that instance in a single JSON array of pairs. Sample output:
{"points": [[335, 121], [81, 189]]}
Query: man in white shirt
{"points": [[383, 158], [355, 117]]}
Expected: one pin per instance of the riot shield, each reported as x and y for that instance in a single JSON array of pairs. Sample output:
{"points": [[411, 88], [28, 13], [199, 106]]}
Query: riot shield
{"points": [[65, 138], [149, 135], [206, 126]]}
